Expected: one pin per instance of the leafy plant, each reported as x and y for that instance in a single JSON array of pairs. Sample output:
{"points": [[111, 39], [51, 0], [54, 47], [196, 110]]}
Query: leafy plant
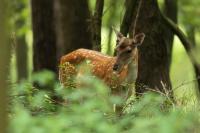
{"points": [[89, 108]]}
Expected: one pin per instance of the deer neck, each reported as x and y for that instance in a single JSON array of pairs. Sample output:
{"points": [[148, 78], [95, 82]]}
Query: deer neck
{"points": [[132, 69]]}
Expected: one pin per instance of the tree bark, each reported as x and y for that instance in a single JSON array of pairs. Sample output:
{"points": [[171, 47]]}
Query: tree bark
{"points": [[154, 62], [4, 63], [131, 7], [44, 36], [96, 25], [72, 25], [22, 58], [171, 11]]}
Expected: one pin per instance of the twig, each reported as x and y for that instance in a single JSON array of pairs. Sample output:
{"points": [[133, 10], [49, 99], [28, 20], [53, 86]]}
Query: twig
{"points": [[136, 18], [185, 83]]}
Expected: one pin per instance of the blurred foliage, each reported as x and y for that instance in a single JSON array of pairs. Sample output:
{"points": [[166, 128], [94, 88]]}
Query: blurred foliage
{"points": [[20, 17], [182, 74], [189, 12], [89, 109]]}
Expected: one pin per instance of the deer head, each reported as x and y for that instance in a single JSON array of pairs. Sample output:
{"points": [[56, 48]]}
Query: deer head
{"points": [[126, 49]]}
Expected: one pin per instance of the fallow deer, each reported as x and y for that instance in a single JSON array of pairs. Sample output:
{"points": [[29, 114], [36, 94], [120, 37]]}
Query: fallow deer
{"points": [[114, 71]]}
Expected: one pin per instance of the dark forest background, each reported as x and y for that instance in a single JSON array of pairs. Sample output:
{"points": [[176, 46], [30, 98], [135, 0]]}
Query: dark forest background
{"points": [[36, 33]]}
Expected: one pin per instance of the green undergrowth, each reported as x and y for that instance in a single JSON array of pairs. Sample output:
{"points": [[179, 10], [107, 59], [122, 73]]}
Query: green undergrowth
{"points": [[89, 109]]}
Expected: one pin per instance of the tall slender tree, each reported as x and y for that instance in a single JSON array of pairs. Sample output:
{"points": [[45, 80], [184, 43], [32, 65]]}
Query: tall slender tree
{"points": [[44, 36], [127, 19], [171, 11], [110, 23], [20, 41], [72, 25], [4, 63], [96, 25]]}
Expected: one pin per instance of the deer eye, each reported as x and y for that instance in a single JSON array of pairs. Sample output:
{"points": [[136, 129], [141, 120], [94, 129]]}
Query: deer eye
{"points": [[122, 47], [129, 51]]}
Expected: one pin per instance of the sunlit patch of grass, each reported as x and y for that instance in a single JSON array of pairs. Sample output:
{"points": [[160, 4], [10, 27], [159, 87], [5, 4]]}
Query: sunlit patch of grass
{"points": [[182, 73]]}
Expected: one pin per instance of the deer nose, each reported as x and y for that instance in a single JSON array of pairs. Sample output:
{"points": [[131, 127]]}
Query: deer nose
{"points": [[115, 67]]}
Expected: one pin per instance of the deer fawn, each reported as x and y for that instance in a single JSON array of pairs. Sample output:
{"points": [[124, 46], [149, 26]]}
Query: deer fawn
{"points": [[114, 71]]}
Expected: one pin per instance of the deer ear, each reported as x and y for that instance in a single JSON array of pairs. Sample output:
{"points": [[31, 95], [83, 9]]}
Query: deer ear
{"points": [[139, 38], [118, 34]]}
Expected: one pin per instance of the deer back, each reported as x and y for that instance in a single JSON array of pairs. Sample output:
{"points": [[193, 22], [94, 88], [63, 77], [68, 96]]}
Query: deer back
{"points": [[101, 66]]}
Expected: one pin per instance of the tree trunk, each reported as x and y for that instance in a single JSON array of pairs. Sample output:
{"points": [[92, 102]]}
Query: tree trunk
{"points": [[96, 25], [128, 16], [21, 46], [44, 37], [171, 11], [154, 62], [72, 25], [110, 23], [22, 58], [4, 63]]}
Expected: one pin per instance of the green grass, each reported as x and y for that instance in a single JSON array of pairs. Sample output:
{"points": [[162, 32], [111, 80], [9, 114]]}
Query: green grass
{"points": [[182, 74]]}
